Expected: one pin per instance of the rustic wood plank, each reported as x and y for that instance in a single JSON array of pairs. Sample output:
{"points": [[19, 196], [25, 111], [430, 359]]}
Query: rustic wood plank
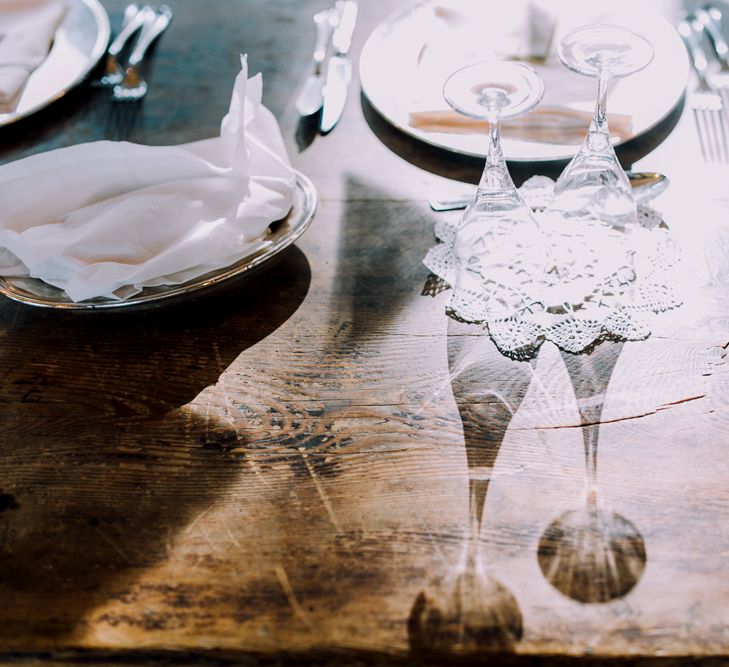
{"points": [[291, 470]]}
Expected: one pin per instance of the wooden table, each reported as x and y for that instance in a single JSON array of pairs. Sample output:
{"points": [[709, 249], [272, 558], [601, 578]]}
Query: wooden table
{"points": [[289, 469]]}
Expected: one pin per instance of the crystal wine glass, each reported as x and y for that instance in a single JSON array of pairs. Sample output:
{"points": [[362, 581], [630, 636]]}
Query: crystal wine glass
{"points": [[594, 184], [491, 91]]}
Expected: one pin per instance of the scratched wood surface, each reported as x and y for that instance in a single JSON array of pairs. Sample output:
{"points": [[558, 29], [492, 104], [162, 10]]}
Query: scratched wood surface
{"points": [[316, 465]]}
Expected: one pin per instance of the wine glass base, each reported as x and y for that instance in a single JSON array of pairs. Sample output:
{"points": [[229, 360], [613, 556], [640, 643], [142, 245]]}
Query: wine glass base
{"points": [[605, 49], [493, 88]]}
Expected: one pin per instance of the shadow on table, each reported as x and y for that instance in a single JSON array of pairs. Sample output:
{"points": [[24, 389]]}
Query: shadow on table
{"points": [[101, 464], [307, 130], [379, 263], [45, 126], [590, 554], [468, 610]]}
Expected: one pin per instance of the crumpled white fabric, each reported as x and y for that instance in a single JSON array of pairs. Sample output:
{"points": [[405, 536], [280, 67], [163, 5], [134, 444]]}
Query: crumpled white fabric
{"points": [[109, 218], [27, 28]]}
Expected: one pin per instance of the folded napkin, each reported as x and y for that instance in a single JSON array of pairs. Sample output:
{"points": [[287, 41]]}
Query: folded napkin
{"points": [[27, 28], [545, 124], [109, 218]]}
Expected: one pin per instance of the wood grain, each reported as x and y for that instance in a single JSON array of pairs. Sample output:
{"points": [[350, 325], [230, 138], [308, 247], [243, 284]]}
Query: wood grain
{"points": [[316, 466]]}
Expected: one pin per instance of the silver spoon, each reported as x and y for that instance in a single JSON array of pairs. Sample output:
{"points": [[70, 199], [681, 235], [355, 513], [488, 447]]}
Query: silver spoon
{"points": [[646, 186]]}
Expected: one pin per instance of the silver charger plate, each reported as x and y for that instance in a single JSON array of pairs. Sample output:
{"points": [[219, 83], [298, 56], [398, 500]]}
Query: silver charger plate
{"points": [[280, 236], [407, 58], [79, 43]]}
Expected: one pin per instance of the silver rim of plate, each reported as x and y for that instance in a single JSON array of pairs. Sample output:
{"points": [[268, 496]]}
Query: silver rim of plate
{"points": [[280, 236], [78, 45], [389, 69]]}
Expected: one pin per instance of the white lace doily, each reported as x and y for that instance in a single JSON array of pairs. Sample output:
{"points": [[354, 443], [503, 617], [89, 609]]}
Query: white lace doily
{"points": [[574, 284]]}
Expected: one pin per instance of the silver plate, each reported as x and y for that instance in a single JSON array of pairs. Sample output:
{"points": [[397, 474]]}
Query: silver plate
{"points": [[280, 236], [397, 78], [79, 43]]}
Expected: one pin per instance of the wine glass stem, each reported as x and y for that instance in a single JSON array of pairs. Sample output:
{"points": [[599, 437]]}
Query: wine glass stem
{"points": [[600, 122], [495, 177]]}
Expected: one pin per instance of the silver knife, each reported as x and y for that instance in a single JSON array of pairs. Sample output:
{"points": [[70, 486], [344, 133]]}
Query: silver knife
{"points": [[339, 69], [311, 98]]}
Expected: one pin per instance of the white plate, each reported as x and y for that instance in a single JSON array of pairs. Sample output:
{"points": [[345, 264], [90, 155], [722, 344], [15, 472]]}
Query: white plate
{"points": [[79, 43], [407, 57], [280, 236]]}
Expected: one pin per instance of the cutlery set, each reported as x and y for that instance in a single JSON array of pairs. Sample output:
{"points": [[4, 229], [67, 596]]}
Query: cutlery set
{"points": [[709, 101], [127, 83], [326, 91]]}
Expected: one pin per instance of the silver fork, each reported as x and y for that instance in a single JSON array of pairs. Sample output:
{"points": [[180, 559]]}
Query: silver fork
{"points": [[704, 101], [134, 87], [711, 18], [134, 19]]}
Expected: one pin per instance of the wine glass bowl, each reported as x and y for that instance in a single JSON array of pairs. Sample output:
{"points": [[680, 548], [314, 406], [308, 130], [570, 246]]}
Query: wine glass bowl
{"points": [[488, 88], [594, 185], [595, 49]]}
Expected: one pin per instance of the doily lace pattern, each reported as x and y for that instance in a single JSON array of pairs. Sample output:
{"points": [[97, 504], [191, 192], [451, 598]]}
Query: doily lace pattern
{"points": [[575, 282]]}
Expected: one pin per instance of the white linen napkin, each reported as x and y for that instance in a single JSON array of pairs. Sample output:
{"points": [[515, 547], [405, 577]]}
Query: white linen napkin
{"points": [[27, 28], [108, 218]]}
